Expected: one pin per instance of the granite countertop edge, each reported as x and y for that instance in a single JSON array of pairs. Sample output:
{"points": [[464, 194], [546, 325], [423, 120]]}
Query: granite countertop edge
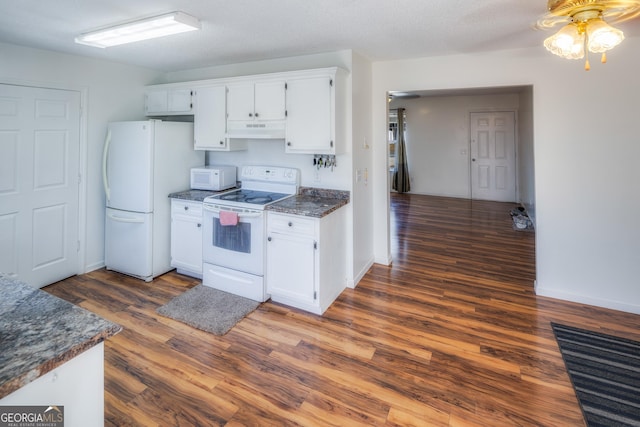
{"points": [[41, 332], [312, 202]]}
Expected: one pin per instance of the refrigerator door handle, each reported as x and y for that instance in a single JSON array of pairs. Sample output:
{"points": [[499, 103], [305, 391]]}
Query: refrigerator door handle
{"points": [[123, 219], [105, 153]]}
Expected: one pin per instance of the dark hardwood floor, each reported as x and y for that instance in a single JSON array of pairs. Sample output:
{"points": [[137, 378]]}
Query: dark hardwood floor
{"points": [[451, 334]]}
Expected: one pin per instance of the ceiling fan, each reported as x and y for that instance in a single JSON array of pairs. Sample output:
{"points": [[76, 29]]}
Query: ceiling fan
{"points": [[587, 26]]}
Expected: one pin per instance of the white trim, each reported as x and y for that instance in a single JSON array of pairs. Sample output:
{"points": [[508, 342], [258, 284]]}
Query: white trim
{"points": [[353, 283], [581, 299]]}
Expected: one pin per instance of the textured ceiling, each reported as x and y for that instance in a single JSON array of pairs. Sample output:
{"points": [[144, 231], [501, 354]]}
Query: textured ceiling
{"points": [[250, 30]]}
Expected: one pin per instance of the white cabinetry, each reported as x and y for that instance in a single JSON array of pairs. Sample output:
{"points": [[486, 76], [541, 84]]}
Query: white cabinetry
{"points": [[315, 110], [186, 237], [77, 384], [306, 259], [210, 120], [256, 101], [168, 101]]}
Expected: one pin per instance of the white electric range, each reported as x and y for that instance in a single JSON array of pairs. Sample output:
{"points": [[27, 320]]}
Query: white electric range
{"points": [[234, 230]]}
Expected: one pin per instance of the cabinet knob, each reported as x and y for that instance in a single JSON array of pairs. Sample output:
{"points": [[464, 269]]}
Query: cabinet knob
{"points": [[250, 114], [256, 114], [289, 143], [269, 238], [186, 208], [221, 142], [199, 225], [290, 224]]}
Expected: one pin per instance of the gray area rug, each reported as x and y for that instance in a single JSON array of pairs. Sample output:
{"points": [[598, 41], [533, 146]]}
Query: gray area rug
{"points": [[208, 309], [605, 372]]}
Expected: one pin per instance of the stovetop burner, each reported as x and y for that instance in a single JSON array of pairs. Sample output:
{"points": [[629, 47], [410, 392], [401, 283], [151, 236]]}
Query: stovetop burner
{"points": [[250, 196]]}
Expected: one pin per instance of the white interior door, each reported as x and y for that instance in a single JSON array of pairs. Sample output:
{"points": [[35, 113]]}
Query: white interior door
{"points": [[493, 156], [39, 167]]}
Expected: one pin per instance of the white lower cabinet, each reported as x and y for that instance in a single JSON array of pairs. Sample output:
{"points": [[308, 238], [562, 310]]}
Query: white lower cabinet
{"points": [[186, 237], [306, 260]]}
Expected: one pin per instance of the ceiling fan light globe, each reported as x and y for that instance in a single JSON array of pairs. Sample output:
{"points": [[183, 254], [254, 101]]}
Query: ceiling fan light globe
{"points": [[602, 36], [567, 43]]}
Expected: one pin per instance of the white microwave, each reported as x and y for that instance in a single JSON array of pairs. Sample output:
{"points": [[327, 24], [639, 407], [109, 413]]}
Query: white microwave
{"points": [[213, 177]]}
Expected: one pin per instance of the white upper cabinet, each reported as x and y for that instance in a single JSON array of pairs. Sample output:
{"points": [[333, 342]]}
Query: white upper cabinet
{"points": [[315, 108], [210, 120], [306, 108], [256, 101], [168, 101]]}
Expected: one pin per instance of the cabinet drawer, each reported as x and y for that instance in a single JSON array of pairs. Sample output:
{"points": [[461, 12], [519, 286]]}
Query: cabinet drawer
{"points": [[291, 224], [183, 207]]}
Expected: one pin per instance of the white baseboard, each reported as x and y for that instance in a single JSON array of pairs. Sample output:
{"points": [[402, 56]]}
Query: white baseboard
{"points": [[353, 283], [582, 299], [92, 267]]}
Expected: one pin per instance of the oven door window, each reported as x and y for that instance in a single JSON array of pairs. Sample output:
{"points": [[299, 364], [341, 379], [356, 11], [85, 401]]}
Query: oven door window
{"points": [[236, 238]]}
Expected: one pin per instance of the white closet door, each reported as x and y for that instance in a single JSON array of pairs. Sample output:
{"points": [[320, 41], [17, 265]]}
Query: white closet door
{"points": [[39, 165]]}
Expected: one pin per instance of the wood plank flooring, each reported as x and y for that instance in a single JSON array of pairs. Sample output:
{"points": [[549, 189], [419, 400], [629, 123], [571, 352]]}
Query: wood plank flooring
{"points": [[451, 334]]}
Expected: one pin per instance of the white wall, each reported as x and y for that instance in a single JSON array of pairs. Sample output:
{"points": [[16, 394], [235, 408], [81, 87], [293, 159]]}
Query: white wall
{"points": [[111, 92], [437, 135], [585, 147], [526, 160], [362, 194]]}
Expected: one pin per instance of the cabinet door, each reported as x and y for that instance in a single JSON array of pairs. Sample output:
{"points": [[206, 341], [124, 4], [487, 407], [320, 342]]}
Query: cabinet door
{"points": [[186, 243], [291, 267], [168, 101], [270, 100], [156, 102], [240, 102], [210, 118], [180, 101], [309, 116]]}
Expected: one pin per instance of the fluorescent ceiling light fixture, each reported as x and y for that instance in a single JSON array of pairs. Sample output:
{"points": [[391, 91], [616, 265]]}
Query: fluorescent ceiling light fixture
{"points": [[143, 29]]}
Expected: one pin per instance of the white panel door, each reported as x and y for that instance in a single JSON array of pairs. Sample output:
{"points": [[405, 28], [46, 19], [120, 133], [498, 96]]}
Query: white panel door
{"points": [[39, 167], [493, 156]]}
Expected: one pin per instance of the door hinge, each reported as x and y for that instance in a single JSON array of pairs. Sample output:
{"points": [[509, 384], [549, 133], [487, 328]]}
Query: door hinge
{"points": [[79, 178], [315, 295], [285, 86], [286, 113], [315, 245], [78, 246], [331, 82]]}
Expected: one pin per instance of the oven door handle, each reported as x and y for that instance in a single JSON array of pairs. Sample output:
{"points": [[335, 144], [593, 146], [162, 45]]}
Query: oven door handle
{"points": [[249, 215], [240, 214]]}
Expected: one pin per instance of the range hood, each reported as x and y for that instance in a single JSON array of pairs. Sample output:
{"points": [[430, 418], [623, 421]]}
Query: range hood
{"points": [[255, 129]]}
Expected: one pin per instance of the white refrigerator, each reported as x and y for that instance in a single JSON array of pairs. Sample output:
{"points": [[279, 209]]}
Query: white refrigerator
{"points": [[143, 162]]}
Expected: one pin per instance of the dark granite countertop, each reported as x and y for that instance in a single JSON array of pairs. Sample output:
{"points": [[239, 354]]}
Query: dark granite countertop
{"points": [[312, 202], [196, 195], [39, 332]]}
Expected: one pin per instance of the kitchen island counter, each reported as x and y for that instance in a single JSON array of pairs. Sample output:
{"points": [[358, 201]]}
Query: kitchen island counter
{"points": [[311, 202], [40, 332]]}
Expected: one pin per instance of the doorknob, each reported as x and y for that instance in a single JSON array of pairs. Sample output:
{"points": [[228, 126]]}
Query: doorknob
{"points": [[473, 160]]}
